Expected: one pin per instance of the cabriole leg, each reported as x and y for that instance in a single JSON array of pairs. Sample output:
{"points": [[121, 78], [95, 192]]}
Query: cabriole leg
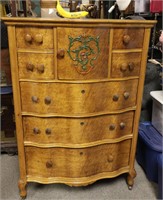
{"points": [[130, 179], [22, 188]]}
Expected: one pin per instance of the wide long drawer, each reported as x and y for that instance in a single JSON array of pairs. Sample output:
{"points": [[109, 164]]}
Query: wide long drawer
{"points": [[70, 131], [75, 163], [71, 98]]}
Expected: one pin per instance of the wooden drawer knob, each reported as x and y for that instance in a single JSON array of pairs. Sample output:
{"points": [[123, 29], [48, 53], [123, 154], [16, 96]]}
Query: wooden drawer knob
{"points": [[49, 164], [39, 38], [112, 127], [122, 125], [110, 158], [131, 66], [126, 39], [47, 100], [40, 69], [35, 99], [126, 95], [123, 67], [28, 38], [82, 123], [61, 53], [30, 67], [115, 97], [82, 91], [48, 131], [36, 130]]}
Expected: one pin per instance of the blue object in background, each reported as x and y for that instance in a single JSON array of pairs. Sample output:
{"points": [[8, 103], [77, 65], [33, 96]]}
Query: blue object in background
{"points": [[6, 90], [149, 153]]}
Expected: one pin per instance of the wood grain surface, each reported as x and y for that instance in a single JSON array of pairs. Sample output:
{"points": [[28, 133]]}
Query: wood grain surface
{"points": [[136, 38], [78, 98], [46, 33], [38, 61], [72, 131], [68, 162]]}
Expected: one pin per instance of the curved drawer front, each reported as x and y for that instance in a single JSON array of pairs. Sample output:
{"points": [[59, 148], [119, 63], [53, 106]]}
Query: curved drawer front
{"points": [[129, 38], [64, 98], [75, 163], [77, 131], [125, 64], [36, 66], [83, 53], [34, 38]]}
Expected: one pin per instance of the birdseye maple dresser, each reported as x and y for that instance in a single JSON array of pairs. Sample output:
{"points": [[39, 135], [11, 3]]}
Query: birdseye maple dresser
{"points": [[77, 88]]}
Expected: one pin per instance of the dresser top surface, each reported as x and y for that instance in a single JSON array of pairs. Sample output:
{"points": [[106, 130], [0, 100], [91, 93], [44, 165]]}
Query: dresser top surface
{"points": [[81, 22]]}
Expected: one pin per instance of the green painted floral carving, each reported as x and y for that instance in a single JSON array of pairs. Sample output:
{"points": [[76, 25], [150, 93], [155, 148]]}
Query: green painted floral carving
{"points": [[84, 50]]}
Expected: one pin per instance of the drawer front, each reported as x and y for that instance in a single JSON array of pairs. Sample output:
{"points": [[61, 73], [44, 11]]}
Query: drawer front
{"points": [[36, 66], [83, 53], [34, 38], [77, 131], [75, 163], [129, 38], [125, 64], [62, 98]]}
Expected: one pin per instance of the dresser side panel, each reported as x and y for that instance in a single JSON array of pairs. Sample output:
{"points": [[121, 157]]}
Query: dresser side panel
{"points": [[17, 101], [139, 97]]}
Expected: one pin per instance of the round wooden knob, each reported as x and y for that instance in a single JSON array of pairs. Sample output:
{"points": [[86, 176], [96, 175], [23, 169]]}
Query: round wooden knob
{"points": [[115, 97], [47, 100], [110, 158], [40, 69], [122, 125], [49, 164], [131, 66], [123, 67], [30, 67], [36, 130], [38, 38], [28, 38], [126, 39], [112, 127], [82, 91], [126, 95], [48, 131], [81, 123], [35, 99], [61, 53]]}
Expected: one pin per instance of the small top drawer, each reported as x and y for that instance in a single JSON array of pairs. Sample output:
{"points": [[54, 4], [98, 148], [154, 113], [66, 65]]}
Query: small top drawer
{"points": [[34, 38], [129, 38], [125, 64], [36, 66]]}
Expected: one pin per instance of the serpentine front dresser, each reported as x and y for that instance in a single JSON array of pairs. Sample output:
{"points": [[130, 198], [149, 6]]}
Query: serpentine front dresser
{"points": [[77, 93]]}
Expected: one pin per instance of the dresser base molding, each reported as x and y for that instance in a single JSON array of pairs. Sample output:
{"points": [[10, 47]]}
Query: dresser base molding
{"points": [[78, 181]]}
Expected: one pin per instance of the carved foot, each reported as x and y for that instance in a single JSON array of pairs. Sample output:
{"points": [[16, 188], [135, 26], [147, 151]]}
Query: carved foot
{"points": [[22, 188], [130, 179]]}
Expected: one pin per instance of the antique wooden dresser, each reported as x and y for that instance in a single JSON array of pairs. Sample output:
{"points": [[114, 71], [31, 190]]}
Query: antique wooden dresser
{"points": [[77, 94]]}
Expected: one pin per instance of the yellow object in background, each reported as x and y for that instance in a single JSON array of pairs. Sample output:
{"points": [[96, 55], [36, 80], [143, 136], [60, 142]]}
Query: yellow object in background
{"points": [[71, 15]]}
